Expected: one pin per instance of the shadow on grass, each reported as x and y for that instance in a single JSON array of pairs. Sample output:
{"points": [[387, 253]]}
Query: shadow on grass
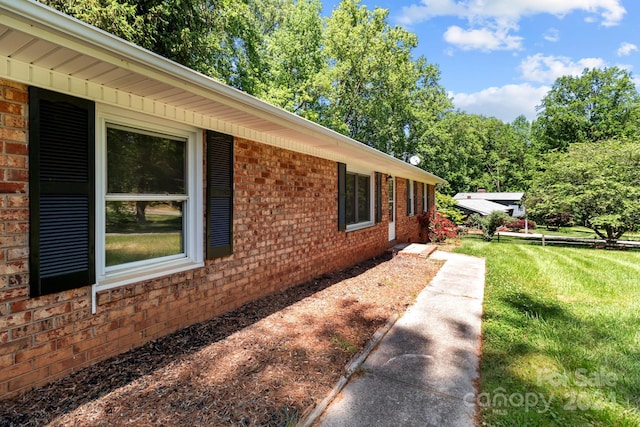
{"points": [[42, 405], [533, 307]]}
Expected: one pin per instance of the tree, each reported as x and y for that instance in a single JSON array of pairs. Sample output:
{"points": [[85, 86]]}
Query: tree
{"points": [[447, 207], [598, 183], [491, 223], [600, 104], [373, 91], [293, 58], [452, 149], [472, 152]]}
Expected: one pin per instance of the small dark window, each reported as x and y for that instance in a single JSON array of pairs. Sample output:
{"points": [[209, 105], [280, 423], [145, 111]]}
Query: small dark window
{"points": [[358, 198]]}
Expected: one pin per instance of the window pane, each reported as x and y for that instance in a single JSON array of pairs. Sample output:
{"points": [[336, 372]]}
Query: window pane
{"points": [[364, 197], [143, 163], [351, 198], [141, 230]]}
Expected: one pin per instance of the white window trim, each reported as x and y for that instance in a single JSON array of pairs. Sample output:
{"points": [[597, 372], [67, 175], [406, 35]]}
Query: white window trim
{"points": [[193, 207], [372, 195]]}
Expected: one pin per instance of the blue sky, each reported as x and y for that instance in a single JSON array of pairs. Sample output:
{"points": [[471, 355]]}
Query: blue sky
{"points": [[500, 57]]}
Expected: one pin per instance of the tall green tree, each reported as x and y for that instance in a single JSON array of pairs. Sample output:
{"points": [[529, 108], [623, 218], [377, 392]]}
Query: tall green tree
{"points": [[600, 104], [472, 151], [293, 57], [372, 88], [597, 182], [453, 150]]}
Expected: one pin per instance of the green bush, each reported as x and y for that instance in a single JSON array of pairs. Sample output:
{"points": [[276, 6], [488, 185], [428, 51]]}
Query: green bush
{"points": [[491, 222]]}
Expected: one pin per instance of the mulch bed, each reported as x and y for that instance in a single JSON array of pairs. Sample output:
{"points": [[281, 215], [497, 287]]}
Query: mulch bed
{"points": [[263, 364]]}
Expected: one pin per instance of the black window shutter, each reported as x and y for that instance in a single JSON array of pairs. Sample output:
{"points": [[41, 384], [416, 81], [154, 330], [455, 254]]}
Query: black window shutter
{"points": [[342, 196], [378, 197], [61, 189], [219, 194], [408, 197], [415, 197]]}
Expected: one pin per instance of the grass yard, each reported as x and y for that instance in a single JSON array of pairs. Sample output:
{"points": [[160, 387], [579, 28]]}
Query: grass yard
{"points": [[561, 335], [124, 248]]}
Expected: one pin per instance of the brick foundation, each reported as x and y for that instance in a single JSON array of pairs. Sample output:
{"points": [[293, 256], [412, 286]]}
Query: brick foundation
{"points": [[285, 233]]}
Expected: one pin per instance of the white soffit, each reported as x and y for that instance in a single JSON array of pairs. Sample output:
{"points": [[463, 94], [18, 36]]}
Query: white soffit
{"points": [[42, 47]]}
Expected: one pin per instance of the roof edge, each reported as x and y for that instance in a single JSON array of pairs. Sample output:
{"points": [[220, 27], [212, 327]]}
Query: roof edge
{"points": [[39, 15]]}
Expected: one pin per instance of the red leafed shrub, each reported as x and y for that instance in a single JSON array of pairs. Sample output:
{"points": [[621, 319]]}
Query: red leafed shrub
{"points": [[519, 224], [438, 227]]}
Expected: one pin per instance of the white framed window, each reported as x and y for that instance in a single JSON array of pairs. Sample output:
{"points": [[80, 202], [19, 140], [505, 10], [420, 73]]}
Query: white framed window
{"points": [[148, 197], [359, 199]]}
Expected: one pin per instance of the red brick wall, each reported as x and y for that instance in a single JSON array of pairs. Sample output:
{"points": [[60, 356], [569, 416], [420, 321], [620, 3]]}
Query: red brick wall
{"points": [[408, 229], [285, 232]]}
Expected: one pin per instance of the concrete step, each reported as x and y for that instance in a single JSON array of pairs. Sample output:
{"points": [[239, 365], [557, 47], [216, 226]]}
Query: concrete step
{"points": [[412, 249]]}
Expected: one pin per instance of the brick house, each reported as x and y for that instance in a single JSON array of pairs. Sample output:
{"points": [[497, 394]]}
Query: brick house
{"points": [[138, 197]]}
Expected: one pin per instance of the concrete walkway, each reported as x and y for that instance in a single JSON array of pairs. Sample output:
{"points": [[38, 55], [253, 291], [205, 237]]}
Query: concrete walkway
{"points": [[423, 371]]}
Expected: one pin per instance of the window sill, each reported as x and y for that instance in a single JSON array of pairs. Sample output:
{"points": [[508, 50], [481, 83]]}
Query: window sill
{"points": [[128, 277], [359, 226]]}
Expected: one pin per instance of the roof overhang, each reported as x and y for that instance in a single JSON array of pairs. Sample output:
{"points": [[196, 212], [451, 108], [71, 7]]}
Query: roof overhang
{"points": [[42, 47]]}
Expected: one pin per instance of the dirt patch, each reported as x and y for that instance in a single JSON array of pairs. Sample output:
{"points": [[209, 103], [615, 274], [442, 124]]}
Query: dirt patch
{"points": [[260, 365]]}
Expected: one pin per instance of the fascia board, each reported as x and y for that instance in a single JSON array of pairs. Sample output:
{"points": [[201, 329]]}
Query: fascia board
{"points": [[42, 21]]}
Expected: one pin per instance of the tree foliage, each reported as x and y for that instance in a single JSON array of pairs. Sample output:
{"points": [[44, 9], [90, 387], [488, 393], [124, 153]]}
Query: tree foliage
{"points": [[293, 57], [597, 182], [447, 207], [598, 105], [491, 223], [472, 152], [373, 90]]}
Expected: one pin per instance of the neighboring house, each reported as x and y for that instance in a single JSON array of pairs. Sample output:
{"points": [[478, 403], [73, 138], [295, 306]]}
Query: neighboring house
{"points": [[482, 207], [138, 197], [484, 203]]}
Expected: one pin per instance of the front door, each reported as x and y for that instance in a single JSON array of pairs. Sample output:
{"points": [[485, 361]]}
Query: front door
{"points": [[392, 208]]}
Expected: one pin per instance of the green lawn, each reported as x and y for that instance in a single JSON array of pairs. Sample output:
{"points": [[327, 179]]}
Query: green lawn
{"points": [[561, 335], [121, 249]]}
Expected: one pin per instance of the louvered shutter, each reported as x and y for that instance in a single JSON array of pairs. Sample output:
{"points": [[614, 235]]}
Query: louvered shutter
{"points": [[61, 188], [342, 196], [219, 194], [378, 197], [408, 197], [415, 198]]}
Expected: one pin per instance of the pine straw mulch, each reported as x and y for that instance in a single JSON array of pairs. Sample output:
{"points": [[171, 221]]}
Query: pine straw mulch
{"points": [[262, 364]]}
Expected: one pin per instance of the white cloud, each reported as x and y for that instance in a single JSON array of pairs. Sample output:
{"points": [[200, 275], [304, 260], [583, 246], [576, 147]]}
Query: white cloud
{"points": [[610, 12], [482, 39], [506, 102], [626, 49], [552, 35], [546, 69]]}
